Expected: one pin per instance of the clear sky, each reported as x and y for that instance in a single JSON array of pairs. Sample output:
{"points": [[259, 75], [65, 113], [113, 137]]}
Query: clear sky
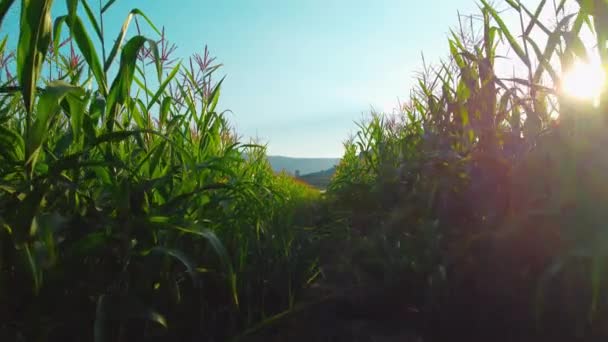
{"points": [[300, 72]]}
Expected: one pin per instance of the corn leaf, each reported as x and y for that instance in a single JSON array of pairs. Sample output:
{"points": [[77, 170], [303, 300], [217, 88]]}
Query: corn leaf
{"points": [[505, 31], [92, 19], [121, 36], [34, 40], [163, 85], [120, 89], [107, 6], [48, 107], [88, 52], [5, 5]]}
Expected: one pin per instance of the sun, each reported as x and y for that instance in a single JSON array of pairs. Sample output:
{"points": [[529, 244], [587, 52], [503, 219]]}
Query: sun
{"points": [[584, 81]]}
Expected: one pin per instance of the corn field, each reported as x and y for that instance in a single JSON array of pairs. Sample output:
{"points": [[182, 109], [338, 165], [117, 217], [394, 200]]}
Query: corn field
{"points": [[131, 210]]}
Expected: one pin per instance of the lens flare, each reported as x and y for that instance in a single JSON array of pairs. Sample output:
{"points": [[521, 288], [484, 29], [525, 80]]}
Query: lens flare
{"points": [[584, 81]]}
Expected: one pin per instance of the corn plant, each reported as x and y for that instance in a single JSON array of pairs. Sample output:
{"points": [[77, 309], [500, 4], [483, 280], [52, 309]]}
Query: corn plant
{"points": [[130, 211], [508, 169]]}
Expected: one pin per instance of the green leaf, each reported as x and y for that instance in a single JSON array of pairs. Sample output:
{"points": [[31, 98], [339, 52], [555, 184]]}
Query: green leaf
{"points": [[164, 85], [505, 30], [215, 95], [123, 33], [222, 253], [89, 53], [178, 255], [582, 17], [35, 271], [48, 107], [3, 47], [34, 40], [91, 121], [534, 19], [11, 144], [120, 90], [456, 55], [72, 6], [515, 5], [107, 6], [5, 5], [138, 114], [77, 109], [115, 308], [57, 32], [544, 59], [116, 136], [165, 107], [92, 19]]}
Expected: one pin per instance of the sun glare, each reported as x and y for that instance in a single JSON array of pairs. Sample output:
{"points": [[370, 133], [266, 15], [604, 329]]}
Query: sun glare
{"points": [[584, 81]]}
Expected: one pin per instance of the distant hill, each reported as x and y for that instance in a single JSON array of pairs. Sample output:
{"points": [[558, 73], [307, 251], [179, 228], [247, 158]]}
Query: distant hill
{"points": [[303, 165], [319, 179]]}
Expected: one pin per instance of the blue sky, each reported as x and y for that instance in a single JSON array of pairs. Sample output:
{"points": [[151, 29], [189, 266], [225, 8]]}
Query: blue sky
{"points": [[300, 72]]}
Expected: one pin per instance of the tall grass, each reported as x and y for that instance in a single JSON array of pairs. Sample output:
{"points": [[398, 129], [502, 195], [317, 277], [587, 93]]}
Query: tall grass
{"points": [[130, 211]]}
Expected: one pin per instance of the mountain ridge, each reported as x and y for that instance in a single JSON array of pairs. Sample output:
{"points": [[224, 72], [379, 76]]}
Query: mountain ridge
{"points": [[301, 166]]}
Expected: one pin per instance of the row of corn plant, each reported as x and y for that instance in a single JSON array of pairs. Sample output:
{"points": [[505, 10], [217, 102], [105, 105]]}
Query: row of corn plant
{"points": [[128, 208], [493, 181]]}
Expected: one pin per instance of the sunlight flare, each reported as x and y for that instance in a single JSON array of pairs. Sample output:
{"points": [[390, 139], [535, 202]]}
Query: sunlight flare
{"points": [[584, 81]]}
